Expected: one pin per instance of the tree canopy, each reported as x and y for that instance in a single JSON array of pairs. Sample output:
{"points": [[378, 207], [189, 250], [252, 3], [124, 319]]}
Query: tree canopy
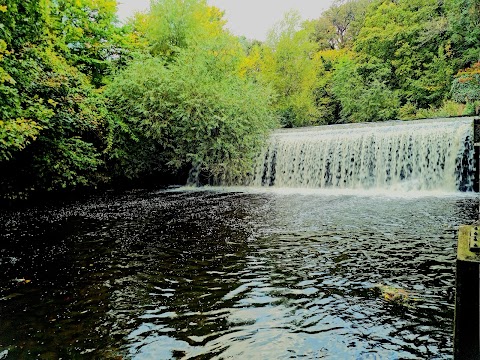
{"points": [[87, 101]]}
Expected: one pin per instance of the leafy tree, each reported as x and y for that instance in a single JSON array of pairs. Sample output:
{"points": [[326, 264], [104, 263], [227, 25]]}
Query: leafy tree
{"points": [[187, 104], [286, 63], [16, 135], [192, 113], [466, 88], [87, 34], [326, 101], [50, 121], [363, 101], [340, 24], [464, 31], [411, 38], [179, 24]]}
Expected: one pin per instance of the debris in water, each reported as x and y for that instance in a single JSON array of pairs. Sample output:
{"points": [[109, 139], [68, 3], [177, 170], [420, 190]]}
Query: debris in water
{"points": [[396, 295]]}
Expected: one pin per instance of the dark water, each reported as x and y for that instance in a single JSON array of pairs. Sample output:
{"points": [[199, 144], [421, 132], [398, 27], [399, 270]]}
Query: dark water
{"points": [[212, 274]]}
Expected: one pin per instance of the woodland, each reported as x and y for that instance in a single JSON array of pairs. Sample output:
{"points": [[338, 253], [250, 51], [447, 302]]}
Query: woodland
{"points": [[88, 102]]}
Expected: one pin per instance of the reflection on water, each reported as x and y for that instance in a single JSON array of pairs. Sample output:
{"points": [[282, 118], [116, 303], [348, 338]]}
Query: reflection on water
{"points": [[218, 274]]}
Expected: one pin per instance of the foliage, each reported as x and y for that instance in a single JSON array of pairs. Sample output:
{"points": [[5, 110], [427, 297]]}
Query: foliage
{"points": [[179, 24], [466, 85], [339, 25], [16, 135], [464, 31], [328, 105], [286, 63], [362, 99], [50, 125], [193, 112], [189, 103], [410, 38], [86, 33], [449, 108]]}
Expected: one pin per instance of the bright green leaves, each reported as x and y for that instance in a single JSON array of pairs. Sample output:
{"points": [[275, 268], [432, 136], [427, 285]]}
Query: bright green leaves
{"points": [[194, 111], [86, 31], [285, 62], [16, 135], [464, 30], [51, 118], [187, 104], [178, 24], [339, 25], [363, 98], [410, 37]]}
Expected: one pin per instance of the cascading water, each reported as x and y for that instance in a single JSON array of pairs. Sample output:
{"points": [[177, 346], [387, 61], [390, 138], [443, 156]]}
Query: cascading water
{"points": [[417, 155]]}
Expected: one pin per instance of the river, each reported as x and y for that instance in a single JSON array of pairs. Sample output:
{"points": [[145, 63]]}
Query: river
{"points": [[231, 273]]}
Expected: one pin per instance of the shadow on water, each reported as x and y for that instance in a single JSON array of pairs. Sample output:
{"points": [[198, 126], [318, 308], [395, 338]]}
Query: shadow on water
{"points": [[214, 274]]}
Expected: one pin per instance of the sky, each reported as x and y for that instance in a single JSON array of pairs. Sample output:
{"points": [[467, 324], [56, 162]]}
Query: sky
{"points": [[252, 18]]}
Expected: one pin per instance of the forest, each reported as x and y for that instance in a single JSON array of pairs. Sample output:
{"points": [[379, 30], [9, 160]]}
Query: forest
{"points": [[89, 102]]}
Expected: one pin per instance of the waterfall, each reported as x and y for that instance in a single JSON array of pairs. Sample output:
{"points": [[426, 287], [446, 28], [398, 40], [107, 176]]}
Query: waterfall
{"points": [[413, 155]]}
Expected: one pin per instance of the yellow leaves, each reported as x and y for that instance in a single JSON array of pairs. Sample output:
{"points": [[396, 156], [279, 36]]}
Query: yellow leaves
{"points": [[251, 63], [210, 21], [470, 71], [16, 135], [52, 102], [397, 295], [333, 55], [448, 49], [3, 8], [5, 77]]}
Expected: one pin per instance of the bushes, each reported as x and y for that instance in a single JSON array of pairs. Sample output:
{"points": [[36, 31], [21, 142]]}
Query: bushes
{"points": [[191, 112]]}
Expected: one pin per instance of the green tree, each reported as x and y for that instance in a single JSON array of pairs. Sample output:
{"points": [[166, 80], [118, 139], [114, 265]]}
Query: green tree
{"points": [[187, 104], [50, 117], [464, 31], [363, 100], [466, 88], [286, 63], [178, 24], [340, 24], [192, 113], [326, 101], [411, 38], [88, 35]]}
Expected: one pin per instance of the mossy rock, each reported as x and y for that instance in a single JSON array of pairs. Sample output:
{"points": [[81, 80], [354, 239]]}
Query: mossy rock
{"points": [[396, 295]]}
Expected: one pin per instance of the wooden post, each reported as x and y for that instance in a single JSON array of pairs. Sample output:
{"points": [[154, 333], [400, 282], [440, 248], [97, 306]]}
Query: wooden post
{"points": [[476, 152], [467, 314]]}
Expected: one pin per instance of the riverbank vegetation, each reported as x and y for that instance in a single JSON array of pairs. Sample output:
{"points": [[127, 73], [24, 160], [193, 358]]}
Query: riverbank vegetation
{"points": [[86, 101]]}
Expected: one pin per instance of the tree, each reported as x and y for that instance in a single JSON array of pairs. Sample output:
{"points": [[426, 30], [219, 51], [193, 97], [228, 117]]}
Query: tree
{"points": [[87, 34], [363, 100], [464, 31], [340, 24], [326, 101], [409, 37], [195, 113], [179, 24], [286, 63], [188, 104], [50, 118], [466, 88]]}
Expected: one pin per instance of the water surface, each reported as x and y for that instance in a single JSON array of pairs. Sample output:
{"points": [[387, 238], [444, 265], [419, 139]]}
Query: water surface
{"points": [[230, 274]]}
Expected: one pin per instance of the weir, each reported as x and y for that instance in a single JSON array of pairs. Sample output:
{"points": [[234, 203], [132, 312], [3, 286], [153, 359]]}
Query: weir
{"points": [[434, 154]]}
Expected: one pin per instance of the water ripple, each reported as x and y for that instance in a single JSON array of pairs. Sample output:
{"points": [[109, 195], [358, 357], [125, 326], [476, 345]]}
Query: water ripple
{"points": [[213, 274]]}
